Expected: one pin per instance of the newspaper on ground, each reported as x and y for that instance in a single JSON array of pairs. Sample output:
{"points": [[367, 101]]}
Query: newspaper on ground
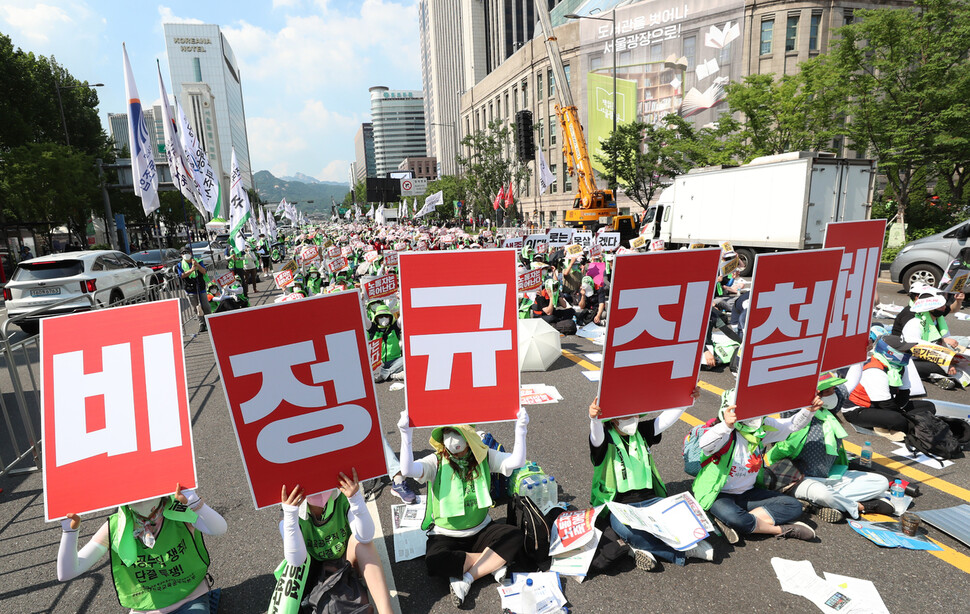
{"points": [[678, 521], [835, 594], [576, 562], [410, 541], [546, 587]]}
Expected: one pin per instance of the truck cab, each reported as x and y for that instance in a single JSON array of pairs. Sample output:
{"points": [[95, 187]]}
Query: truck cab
{"points": [[656, 219]]}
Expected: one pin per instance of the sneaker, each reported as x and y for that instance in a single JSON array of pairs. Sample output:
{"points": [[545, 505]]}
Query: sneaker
{"points": [[403, 492], [797, 530], [500, 573], [459, 589], [644, 560], [702, 550], [729, 534], [946, 383], [398, 377], [829, 515], [878, 506]]}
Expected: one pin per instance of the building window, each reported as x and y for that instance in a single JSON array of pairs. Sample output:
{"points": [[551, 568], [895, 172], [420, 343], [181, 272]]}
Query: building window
{"points": [[552, 83], [542, 135], [767, 29], [507, 113], [515, 99], [569, 79], [552, 217], [525, 94], [539, 89], [690, 50], [552, 169], [567, 183], [656, 53], [596, 63], [813, 31], [848, 17], [791, 34], [552, 129], [491, 112]]}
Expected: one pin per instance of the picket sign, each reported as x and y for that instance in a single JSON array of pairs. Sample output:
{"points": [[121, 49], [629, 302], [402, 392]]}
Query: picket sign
{"points": [[513, 242], [381, 287], [390, 258], [226, 279], [730, 266], [374, 347], [574, 250], [558, 237], [608, 241], [283, 278], [595, 251], [371, 256], [290, 266], [338, 264], [308, 254], [346, 251], [530, 281], [637, 243], [333, 251], [657, 245]]}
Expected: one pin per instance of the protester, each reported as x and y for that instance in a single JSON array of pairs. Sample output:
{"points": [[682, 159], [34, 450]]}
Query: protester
{"points": [[727, 488], [817, 452], [384, 326], [728, 287], [328, 535], [549, 306], [625, 472], [153, 571], [591, 306], [263, 250], [923, 321], [250, 269], [464, 544], [194, 282]]}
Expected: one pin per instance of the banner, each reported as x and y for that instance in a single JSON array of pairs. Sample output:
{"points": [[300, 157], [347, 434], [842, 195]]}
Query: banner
{"points": [[283, 278], [382, 287], [115, 421], [599, 89], [855, 292], [460, 336], [143, 171], [530, 281], [338, 264], [301, 398], [546, 178], [660, 306], [790, 308]]}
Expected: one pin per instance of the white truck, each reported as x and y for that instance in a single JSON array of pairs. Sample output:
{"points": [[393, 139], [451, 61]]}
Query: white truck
{"points": [[773, 203]]}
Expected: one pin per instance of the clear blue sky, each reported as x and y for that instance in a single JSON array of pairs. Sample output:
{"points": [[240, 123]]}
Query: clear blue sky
{"points": [[305, 64]]}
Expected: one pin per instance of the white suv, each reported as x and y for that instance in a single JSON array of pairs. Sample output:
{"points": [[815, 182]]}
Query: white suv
{"points": [[94, 278]]}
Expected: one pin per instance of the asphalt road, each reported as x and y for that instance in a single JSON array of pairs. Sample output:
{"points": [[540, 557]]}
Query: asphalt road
{"points": [[740, 579]]}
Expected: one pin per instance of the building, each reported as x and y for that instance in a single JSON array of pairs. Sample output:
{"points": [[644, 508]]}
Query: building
{"points": [[426, 167], [199, 53], [118, 125], [509, 24], [199, 106], [399, 127], [365, 164]]}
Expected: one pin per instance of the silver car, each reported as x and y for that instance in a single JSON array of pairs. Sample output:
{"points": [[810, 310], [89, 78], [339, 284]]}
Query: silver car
{"points": [[924, 260]]}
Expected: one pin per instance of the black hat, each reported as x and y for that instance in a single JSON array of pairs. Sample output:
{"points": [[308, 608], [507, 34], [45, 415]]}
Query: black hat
{"points": [[186, 250], [896, 342]]}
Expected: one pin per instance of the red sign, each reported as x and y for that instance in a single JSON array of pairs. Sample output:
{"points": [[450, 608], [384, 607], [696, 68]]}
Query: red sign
{"points": [[371, 256], [513, 242], [338, 264], [458, 311], [660, 306], [788, 316], [333, 251], [383, 286], [283, 278], [115, 421], [302, 399], [595, 251], [226, 279], [309, 253], [855, 291], [530, 280], [374, 347], [346, 250], [390, 259], [571, 527]]}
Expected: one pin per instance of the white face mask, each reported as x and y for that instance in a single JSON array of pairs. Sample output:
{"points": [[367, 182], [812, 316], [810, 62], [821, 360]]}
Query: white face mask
{"points": [[627, 426], [830, 402], [145, 508], [383, 322], [186, 257], [754, 423], [455, 443]]}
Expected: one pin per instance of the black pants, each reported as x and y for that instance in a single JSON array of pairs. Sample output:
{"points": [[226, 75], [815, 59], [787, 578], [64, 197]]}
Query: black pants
{"points": [[872, 417], [926, 368], [445, 556], [558, 315]]}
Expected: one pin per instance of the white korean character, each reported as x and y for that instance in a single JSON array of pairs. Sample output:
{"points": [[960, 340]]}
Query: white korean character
{"points": [[620, 44], [603, 31], [631, 42], [644, 39], [639, 22], [655, 19], [608, 47], [657, 33], [626, 26], [853, 293], [779, 303], [785, 360], [672, 32]]}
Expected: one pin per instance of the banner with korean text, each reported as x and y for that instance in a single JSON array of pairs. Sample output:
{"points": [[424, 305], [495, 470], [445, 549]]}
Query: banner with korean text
{"points": [[787, 324], [660, 305], [302, 399], [115, 420], [460, 336]]}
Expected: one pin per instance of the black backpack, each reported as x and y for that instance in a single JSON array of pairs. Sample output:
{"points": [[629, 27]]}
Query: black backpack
{"points": [[565, 327], [931, 436], [535, 527], [961, 430]]}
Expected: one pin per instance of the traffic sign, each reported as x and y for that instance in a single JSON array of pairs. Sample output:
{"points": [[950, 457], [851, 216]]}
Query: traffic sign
{"points": [[414, 187]]}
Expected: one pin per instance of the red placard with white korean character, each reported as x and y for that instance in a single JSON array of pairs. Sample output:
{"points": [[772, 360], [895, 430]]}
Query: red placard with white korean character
{"points": [[458, 311], [301, 398], [226, 279], [788, 315], [309, 254], [333, 251], [381, 287], [390, 258], [660, 306], [116, 424], [530, 281], [374, 347], [283, 278], [338, 264], [855, 291]]}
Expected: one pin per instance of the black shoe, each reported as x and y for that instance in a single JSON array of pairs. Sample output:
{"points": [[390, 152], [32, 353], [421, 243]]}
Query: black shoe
{"points": [[797, 530], [946, 383], [878, 506], [829, 514]]}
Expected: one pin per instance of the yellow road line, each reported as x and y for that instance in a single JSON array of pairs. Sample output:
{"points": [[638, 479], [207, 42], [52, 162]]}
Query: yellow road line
{"points": [[947, 555], [582, 362]]}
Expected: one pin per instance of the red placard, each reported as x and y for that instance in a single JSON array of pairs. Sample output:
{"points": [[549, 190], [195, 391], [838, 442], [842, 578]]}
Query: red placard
{"points": [[115, 420], [338, 264], [283, 278], [333, 251], [302, 398], [390, 258], [371, 256], [382, 287], [309, 254], [855, 291], [458, 311], [346, 250], [784, 338], [530, 280], [660, 306], [374, 347], [226, 279]]}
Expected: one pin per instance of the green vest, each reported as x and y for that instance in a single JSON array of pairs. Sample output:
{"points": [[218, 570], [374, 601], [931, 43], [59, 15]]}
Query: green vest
{"points": [[793, 445], [235, 261], [329, 541], [932, 329], [712, 477], [314, 285], [456, 504], [164, 574], [632, 469]]}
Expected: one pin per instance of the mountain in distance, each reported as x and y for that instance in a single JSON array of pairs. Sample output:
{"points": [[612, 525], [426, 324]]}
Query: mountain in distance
{"points": [[272, 189], [308, 179]]}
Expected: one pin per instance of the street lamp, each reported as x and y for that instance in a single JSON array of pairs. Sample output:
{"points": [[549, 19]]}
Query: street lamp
{"points": [[612, 20], [60, 105]]}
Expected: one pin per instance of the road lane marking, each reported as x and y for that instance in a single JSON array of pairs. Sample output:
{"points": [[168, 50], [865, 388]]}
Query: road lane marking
{"points": [[947, 555]]}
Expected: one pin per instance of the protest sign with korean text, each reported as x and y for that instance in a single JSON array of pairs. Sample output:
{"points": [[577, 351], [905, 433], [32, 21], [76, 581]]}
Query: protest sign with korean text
{"points": [[374, 347], [460, 336], [290, 266], [583, 237], [574, 249], [390, 258], [530, 281], [660, 305], [558, 237], [787, 322], [301, 398], [513, 242], [958, 283], [657, 245], [855, 290], [308, 254], [637, 243], [333, 251], [595, 251], [381, 287], [346, 251], [371, 256], [338, 264], [283, 278], [226, 279], [609, 241], [534, 241], [115, 411]]}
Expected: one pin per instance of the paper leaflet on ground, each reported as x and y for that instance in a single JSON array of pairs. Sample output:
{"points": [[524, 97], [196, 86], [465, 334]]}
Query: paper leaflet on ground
{"points": [[888, 535], [545, 586], [410, 541], [799, 578], [595, 356], [539, 394], [591, 331], [576, 562], [593, 376], [573, 530], [921, 458], [678, 520], [863, 590]]}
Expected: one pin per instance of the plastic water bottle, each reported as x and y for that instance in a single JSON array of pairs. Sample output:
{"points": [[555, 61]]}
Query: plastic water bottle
{"points": [[531, 493], [528, 599], [865, 457], [553, 492], [544, 495], [896, 489]]}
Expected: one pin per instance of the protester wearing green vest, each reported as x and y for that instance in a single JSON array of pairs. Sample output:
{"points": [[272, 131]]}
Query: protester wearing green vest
{"points": [[727, 487], [923, 322], [625, 472], [384, 326], [325, 536], [464, 544], [194, 282], [817, 452], [314, 283], [158, 556]]}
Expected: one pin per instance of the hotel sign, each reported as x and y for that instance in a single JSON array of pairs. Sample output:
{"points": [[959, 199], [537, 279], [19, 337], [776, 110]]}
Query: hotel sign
{"points": [[192, 44]]}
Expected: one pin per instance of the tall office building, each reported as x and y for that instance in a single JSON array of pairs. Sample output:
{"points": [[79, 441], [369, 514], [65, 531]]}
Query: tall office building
{"points": [[118, 124], [199, 53], [365, 164], [453, 59], [509, 24], [199, 106], [399, 128]]}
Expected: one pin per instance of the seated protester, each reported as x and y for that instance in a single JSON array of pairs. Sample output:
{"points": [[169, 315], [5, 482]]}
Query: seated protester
{"points": [[314, 283], [728, 287], [817, 452], [727, 489], [144, 540], [384, 326], [549, 306], [464, 544], [525, 256], [591, 306], [324, 534], [625, 472], [923, 322], [881, 398], [573, 276], [719, 351]]}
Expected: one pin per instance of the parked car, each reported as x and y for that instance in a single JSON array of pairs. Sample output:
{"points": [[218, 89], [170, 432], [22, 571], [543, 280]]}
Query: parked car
{"points": [[924, 260], [97, 278], [201, 252]]}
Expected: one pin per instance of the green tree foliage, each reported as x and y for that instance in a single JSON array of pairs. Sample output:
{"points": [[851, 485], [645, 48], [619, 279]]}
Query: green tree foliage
{"points": [[490, 166], [634, 155]]}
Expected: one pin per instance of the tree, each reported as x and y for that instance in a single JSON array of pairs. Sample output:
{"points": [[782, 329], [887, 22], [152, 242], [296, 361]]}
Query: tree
{"points": [[634, 155], [358, 192], [490, 166]]}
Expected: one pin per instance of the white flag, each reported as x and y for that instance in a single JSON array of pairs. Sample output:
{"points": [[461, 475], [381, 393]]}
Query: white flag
{"points": [[546, 178], [177, 164], [281, 208], [143, 172], [207, 185], [430, 203], [239, 209]]}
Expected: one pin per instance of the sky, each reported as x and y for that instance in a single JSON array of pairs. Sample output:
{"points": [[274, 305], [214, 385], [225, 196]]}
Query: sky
{"points": [[305, 65]]}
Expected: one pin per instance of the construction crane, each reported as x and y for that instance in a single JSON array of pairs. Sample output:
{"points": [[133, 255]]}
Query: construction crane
{"points": [[591, 203]]}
